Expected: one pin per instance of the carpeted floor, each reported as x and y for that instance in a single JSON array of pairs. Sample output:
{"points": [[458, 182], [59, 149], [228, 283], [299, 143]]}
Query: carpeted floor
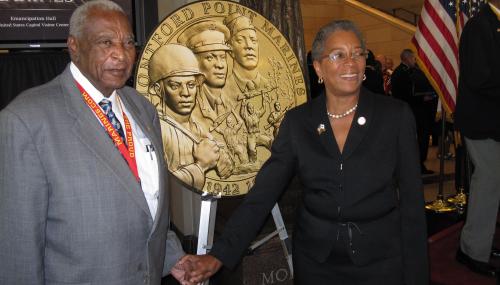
{"points": [[445, 270]]}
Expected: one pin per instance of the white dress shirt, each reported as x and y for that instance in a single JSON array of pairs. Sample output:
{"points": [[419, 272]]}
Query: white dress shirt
{"points": [[145, 156]]}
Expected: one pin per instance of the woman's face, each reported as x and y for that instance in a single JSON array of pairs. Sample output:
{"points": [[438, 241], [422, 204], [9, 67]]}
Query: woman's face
{"points": [[343, 64]]}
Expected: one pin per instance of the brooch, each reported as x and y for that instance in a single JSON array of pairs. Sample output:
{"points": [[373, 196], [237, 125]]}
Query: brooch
{"points": [[321, 129]]}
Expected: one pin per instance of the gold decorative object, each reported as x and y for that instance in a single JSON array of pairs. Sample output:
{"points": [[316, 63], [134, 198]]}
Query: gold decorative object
{"points": [[440, 205], [221, 77]]}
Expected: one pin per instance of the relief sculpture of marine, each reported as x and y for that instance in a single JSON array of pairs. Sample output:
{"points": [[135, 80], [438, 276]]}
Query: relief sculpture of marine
{"points": [[221, 77]]}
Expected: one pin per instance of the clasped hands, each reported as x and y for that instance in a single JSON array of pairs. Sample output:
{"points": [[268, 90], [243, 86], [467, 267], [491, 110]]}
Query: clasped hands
{"points": [[194, 269]]}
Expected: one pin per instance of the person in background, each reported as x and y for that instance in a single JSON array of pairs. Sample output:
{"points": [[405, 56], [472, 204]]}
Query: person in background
{"points": [[410, 85], [477, 117], [361, 220], [83, 184], [373, 79], [387, 65], [425, 110]]}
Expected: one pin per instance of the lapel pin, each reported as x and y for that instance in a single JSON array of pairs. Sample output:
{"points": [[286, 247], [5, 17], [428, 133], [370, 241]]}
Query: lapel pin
{"points": [[321, 129], [361, 121]]}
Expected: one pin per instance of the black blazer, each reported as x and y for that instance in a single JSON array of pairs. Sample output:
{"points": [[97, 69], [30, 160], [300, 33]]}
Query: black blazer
{"points": [[375, 183], [478, 100]]}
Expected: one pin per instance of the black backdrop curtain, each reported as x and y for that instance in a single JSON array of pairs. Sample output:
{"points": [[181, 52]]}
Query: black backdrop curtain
{"points": [[22, 70]]}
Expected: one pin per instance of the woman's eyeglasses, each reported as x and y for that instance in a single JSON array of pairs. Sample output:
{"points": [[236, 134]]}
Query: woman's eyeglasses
{"points": [[341, 56]]}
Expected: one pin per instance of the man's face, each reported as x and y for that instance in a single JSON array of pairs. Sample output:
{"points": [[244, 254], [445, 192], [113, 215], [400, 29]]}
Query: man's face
{"points": [[213, 64], [180, 93], [246, 48], [389, 63], [410, 60], [105, 50]]}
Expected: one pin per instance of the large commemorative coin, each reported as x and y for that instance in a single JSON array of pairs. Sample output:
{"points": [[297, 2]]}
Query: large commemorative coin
{"points": [[221, 77]]}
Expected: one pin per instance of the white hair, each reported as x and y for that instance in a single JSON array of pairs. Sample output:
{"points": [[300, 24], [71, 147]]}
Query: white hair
{"points": [[80, 15]]}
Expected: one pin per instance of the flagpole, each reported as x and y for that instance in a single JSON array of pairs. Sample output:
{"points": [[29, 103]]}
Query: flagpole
{"points": [[440, 205]]}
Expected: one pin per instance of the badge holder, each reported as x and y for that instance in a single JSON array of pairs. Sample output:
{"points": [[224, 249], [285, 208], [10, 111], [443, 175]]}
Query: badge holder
{"points": [[207, 227]]}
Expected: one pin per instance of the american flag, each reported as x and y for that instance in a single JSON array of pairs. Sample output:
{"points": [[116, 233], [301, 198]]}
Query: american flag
{"points": [[436, 43]]}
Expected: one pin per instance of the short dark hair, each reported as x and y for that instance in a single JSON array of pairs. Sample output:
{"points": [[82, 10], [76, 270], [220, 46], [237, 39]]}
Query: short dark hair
{"points": [[405, 54], [318, 45]]}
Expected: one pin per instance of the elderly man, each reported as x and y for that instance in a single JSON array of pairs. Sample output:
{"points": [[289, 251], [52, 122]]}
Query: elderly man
{"points": [[83, 197], [189, 150], [207, 39], [245, 77]]}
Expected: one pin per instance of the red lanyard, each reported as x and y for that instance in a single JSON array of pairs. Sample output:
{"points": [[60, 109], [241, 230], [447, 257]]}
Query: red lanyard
{"points": [[128, 154]]}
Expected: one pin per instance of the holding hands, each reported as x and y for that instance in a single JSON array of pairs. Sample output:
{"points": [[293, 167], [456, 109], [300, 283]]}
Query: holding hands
{"points": [[194, 269]]}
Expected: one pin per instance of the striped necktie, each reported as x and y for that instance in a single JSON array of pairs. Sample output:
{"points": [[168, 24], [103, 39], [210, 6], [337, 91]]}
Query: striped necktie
{"points": [[106, 107]]}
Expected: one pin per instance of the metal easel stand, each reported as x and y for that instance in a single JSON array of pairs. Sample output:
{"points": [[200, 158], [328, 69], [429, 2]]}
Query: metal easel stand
{"points": [[281, 231], [207, 224]]}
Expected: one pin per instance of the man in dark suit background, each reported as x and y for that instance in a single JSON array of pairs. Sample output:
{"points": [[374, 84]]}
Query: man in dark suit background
{"points": [[410, 85], [83, 196], [478, 119]]}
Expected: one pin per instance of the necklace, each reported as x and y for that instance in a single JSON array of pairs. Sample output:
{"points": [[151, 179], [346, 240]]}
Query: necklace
{"points": [[338, 116]]}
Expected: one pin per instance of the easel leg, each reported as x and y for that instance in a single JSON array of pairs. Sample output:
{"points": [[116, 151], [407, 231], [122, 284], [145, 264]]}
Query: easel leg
{"points": [[207, 225], [281, 231], [285, 240]]}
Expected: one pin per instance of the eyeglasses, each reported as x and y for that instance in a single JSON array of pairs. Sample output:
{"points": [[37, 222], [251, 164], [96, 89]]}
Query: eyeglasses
{"points": [[341, 56]]}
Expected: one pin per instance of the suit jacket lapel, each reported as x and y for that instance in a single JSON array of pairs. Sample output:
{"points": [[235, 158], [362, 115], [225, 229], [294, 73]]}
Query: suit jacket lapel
{"points": [[319, 117], [88, 129], [360, 123]]}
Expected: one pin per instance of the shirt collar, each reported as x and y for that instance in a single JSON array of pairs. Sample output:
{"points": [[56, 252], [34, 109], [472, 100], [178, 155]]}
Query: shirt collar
{"points": [[95, 94]]}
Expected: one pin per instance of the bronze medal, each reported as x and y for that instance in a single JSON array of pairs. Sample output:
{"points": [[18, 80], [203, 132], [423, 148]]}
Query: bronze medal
{"points": [[221, 77]]}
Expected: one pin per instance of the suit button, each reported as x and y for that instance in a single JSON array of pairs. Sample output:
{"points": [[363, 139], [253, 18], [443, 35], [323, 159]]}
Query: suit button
{"points": [[140, 267], [146, 278]]}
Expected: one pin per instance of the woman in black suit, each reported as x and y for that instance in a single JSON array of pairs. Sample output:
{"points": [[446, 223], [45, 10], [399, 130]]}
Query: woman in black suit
{"points": [[362, 219]]}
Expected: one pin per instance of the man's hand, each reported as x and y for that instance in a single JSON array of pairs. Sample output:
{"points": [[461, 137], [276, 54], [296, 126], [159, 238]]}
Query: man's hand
{"points": [[202, 267], [179, 270]]}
